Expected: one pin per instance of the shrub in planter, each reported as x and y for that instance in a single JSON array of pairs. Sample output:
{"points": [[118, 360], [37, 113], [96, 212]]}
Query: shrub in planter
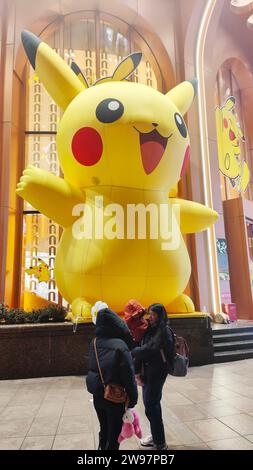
{"points": [[52, 313], [3, 310]]}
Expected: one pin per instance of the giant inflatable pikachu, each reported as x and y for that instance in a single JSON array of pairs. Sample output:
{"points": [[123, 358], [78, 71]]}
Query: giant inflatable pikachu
{"points": [[128, 144]]}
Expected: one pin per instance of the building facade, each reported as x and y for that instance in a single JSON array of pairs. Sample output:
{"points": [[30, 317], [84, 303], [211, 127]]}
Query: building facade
{"points": [[210, 40]]}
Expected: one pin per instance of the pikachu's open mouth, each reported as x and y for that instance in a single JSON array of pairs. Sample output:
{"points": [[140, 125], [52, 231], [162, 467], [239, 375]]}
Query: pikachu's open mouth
{"points": [[153, 146]]}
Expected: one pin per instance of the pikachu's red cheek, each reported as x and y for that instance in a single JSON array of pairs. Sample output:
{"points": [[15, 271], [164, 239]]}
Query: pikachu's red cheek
{"points": [[231, 135], [87, 146]]}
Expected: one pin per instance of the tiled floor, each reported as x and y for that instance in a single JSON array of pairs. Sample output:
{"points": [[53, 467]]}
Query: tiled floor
{"points": [[212, 408]]}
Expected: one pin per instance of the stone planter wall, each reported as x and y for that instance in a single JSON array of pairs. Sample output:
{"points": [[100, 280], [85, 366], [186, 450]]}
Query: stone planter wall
{"points": [[45, 350]]}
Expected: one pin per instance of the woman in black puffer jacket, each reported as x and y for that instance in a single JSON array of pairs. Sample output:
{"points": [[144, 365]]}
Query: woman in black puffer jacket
{"points": [[113, 340], [151, 365]]}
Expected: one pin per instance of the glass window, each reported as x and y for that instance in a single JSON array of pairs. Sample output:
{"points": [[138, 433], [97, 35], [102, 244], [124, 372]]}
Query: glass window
{"points": [[40, 240]]}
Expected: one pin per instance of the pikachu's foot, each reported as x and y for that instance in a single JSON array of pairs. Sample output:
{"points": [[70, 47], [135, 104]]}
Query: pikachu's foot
{"points": [[81, 311], [182, 304]]}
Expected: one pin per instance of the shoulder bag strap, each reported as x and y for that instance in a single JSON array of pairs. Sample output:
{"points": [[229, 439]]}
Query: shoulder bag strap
{"points": [[174, 341], [163, 355], [99, 368]]}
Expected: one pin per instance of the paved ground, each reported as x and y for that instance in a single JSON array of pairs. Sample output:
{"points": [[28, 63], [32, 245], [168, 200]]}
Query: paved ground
{"points": [[212, 408]]}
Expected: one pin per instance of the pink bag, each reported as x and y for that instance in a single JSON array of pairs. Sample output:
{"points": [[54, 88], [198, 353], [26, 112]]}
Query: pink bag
{"points": [[230, 310]]}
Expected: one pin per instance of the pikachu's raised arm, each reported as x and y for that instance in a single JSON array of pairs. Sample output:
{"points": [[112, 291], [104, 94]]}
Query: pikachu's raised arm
{"points": [[194, 217], [49, 194], [60, 81]]}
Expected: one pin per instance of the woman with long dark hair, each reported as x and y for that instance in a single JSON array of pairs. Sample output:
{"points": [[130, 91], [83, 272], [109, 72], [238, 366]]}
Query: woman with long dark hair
{"points": [[151, 365]]}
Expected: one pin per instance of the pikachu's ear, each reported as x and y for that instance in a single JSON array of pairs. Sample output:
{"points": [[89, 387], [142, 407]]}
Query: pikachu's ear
{"points": [[182, 95], [76, 69], [60, 81], [124, 69], [127, 66], [230, 102]]}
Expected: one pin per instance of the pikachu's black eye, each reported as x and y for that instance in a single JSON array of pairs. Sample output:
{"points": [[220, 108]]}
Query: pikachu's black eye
{"points": [[180, 125], [109, 110]]}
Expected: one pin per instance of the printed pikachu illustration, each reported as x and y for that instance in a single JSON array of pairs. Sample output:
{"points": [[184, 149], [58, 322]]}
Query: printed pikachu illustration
{"points": [[41, 271], [128, 143], [229, 135]]}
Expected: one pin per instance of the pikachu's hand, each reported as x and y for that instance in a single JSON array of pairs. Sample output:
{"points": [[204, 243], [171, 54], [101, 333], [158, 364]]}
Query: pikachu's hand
{"points": [[31, 179], [50, 195]]}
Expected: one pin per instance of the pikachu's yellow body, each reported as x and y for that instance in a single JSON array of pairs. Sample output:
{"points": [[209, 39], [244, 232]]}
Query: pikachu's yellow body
{"points": [[124, 144]]}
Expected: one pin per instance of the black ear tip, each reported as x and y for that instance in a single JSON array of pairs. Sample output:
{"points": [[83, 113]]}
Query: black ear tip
{"points": [[194, 83], [75, 67], [31, 44], [136, 58]]}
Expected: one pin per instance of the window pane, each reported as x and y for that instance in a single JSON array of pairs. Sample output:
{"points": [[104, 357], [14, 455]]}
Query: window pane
{"points": [[40, 240], [145, 74], [43, 114], [114, 45], [79, 46], [148, 71], [41, 152]]}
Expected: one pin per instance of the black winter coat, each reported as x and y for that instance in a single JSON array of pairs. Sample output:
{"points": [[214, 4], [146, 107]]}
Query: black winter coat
{"points": [[116, 365], [149, 361], [114, 357]]}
